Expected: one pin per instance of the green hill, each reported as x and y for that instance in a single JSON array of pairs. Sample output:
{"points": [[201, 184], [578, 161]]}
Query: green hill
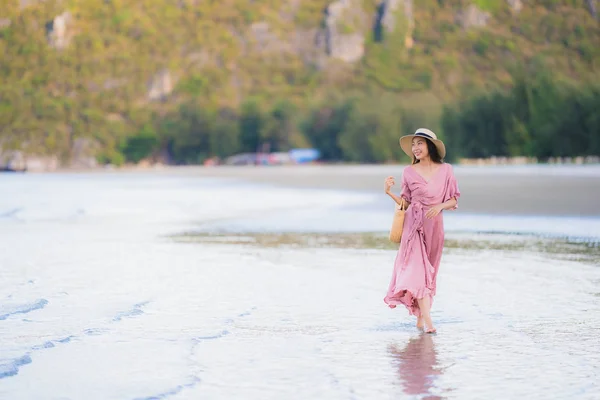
{"points": [[189, 79]]}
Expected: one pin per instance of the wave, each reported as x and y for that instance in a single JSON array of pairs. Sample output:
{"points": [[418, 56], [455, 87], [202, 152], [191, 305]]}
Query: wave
{"points": [[11, 367], [7, 311], [172, 392], [10, 213], [133, 312]]}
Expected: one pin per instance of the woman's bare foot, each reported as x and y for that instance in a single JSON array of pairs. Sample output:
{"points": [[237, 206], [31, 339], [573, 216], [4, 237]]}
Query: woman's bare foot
{"points": [[420, 323], [424, 307], [430, 329]]}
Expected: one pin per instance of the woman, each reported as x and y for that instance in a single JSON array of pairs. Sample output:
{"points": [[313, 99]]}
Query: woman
{"points": [[429, 187]]}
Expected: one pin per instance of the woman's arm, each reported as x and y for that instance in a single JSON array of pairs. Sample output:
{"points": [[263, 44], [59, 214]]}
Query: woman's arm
{"points": [[389, 182], [398, 199], [450, 204], [435, 210]]}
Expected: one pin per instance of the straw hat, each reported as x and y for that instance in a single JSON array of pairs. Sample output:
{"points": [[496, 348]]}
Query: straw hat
{"points": [[406, 142]]}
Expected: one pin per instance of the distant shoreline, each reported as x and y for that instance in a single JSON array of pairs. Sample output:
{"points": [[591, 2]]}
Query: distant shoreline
{"points": [[551, 190], [482, 164], [52, 165]]}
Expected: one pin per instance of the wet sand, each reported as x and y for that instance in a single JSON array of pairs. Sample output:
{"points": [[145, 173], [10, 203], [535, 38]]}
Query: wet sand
{"points": [[525, 190], [103, 294]]}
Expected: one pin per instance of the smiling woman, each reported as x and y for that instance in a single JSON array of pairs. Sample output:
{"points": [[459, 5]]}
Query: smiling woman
{"points": [[424, 143], [429, 186], [422, 148]]}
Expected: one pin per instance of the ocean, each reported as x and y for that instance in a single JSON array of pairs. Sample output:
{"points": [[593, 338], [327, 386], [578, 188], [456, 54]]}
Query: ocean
{"points": [[159, 286]]}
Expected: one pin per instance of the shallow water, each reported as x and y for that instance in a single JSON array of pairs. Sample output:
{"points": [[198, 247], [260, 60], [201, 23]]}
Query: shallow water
{"points": [[101, 297]]}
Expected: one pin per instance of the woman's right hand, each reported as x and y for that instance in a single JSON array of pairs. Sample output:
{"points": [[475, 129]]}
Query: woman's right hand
{"points": [[389, 182]]}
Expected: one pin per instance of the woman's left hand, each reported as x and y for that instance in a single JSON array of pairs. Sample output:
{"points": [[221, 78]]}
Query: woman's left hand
{"points": [[434, 211]]}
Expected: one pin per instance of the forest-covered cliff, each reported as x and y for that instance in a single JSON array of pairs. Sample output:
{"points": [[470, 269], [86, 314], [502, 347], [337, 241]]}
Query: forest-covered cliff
{"points": [[183, 80]]}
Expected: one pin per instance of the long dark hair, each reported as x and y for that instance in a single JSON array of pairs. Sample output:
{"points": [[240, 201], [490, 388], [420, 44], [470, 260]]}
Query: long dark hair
{"points": [[433, 153]]}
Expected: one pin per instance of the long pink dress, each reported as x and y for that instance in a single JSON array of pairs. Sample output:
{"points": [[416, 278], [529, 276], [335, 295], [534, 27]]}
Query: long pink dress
{"points": [[418, 259]]}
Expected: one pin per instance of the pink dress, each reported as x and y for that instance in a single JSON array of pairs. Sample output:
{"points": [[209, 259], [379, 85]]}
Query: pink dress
{"points": [[418, 259]]}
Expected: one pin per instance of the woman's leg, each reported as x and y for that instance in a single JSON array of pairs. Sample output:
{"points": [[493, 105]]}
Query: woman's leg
{"points": [[420, 324], [425, 307]]}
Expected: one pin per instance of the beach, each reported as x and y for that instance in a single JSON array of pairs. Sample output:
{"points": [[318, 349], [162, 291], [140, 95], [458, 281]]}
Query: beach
{"points": [[268, 283], [556, 190]]}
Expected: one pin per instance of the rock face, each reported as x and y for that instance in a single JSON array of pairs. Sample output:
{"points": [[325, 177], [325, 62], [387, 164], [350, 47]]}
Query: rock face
{"points": [[260, 32], [17, 161], [390, 7], [59, 31], [26, 3], [388, 17], [161, 85], [345, 26], [82, 154], [187, 3], [12, 160], [472, 17], [310, 45], [42, 163], [593, 9], [113, 83], [264, 39], [515, 5]]}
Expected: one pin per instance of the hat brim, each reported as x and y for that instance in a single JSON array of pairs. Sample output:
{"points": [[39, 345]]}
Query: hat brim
{"points": [[406, 145]]}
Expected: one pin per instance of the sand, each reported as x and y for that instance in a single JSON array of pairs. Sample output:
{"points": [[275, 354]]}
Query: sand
{"points": [[526, 190], [101, 296]]}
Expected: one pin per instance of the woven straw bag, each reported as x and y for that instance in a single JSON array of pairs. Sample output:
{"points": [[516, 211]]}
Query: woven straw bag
{"points": [[398, 222]]}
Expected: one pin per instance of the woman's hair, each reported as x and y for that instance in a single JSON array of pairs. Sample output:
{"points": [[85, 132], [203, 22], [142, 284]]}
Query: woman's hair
{"points": [[433, 153]]}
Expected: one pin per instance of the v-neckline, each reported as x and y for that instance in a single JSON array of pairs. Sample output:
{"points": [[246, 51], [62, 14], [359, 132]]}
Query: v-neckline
{"points": [[432, 176]]}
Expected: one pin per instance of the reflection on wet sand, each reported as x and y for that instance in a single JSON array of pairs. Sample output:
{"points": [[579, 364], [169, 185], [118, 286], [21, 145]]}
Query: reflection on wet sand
{"points": [[416, 365]]}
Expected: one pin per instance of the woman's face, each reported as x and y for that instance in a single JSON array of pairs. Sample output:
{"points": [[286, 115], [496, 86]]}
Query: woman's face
{"points": [[419, 148]]}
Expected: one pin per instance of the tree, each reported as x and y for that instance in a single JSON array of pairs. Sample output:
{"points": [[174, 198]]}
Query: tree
{"points": [[372, 132], [278, 126], [225, 134], [251, 124], [187, 134], [140, 146], [323, 126]]}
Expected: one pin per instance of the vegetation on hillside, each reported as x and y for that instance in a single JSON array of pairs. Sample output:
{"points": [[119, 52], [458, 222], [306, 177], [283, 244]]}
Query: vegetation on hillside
{"points": [[246, 73], [538, 118]]}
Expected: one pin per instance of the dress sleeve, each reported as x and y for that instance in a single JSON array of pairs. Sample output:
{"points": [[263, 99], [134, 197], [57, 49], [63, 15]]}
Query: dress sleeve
{"points": [[452, 190], [405, 188]]}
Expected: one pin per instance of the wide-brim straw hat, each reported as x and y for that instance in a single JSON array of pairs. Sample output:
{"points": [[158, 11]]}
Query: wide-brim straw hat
{"points": [[406, 142]]}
